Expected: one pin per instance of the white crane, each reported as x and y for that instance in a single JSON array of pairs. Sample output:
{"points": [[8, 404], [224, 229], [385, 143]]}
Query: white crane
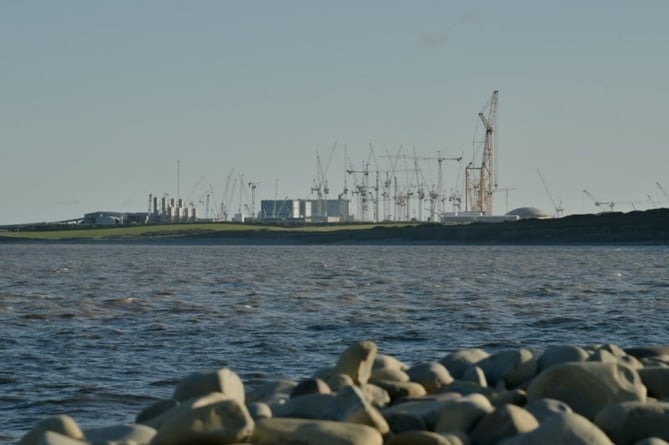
{"points": [[361, 188], [558, 207], [598, 203], [388, 183], [440, 176], [253, 185], [228, 193], [506, 191], [664, 192], [320, 186], [189, 200]]}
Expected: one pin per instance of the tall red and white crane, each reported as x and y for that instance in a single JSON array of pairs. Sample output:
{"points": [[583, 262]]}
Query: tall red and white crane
{"points": [[479, 190]]}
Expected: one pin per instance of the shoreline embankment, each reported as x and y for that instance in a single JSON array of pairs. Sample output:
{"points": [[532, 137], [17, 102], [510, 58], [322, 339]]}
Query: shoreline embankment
{"points": [[650, 227]]}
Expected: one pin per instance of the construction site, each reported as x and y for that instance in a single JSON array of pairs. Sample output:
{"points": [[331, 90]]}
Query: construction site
{"points": [[399, 185]]}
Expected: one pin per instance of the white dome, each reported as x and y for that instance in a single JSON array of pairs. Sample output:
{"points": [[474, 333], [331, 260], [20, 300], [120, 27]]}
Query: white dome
{"points": [[528, 212]]}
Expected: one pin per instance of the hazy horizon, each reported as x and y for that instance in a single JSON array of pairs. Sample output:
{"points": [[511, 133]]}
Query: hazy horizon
{"points": [[102, 100]]}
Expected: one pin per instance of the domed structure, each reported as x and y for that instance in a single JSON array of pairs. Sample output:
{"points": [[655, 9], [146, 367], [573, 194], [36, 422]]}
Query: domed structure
{"points": [[529, 212]]}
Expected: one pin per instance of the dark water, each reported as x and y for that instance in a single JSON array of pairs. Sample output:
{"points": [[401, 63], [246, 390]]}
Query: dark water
{"points": [[99, 331]]}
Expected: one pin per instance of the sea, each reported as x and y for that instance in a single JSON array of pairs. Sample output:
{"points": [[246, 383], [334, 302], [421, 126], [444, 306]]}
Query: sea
{"points": [[100, 331]]}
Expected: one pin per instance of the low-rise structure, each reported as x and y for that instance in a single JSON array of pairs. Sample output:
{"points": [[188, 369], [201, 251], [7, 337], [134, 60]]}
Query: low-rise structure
{"points": [[305, 210]]}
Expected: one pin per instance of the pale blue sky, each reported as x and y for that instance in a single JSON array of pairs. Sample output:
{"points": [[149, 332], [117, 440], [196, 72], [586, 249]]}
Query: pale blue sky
{"points": [[100, 99]]}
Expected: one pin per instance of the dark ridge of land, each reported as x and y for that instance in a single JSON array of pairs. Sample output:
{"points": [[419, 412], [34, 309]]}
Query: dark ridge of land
{"points": [[638, 227]]}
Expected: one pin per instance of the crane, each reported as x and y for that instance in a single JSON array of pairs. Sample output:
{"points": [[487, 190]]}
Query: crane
{"points": [[361, 188], [420, 192], [558, 207], [652, 201], [320, 186], [664, 192], [610, 204], [389, 181], [479, 194], [440, 159], [189, 201], [506, 191], [253, 185]]}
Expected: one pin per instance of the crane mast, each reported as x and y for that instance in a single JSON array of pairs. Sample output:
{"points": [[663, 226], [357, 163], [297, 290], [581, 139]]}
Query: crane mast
{"points": [[479, 193]]}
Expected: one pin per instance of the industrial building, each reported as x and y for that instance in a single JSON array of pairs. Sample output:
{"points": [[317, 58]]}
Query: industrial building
{"points": [[168, 210], [305, 210], [105, 218]]}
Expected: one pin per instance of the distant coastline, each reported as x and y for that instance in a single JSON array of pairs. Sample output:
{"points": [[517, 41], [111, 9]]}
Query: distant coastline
{"points": [[638, 227]]}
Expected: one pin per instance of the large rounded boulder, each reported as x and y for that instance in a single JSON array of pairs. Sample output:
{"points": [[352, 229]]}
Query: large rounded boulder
{"points": [[505, 421], [199, 384], [511, 367], [226, 421], [457, 362], [588, 387], [313, 432], [432, 376], [555, 355], [63, 425], [563, 429], [629, 422], [357, 361]]}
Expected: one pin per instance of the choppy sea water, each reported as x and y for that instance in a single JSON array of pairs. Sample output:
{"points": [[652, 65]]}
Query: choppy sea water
{"points": [[99, 332]]}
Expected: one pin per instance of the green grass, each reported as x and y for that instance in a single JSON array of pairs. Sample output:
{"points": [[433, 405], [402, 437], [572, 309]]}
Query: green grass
{"points": [[172, 230]]}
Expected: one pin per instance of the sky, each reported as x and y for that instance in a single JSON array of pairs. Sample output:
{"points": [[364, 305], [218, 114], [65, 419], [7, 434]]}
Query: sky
{"points": [[104, 103]]}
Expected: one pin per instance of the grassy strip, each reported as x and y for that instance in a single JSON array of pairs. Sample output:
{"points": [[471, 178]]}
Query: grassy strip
{"points": [[176, 230]]}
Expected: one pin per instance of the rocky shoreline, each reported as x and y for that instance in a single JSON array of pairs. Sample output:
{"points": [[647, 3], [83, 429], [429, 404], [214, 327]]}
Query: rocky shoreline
{"points": [[595, 395]]}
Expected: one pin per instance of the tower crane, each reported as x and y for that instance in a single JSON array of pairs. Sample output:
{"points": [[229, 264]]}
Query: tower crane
{"points": [[388, 182], [440, 159], [226, 201], [558, 207], [506, 191], [361, 188], [253, 185], [610, 204], [420, 192], [320, 186]]}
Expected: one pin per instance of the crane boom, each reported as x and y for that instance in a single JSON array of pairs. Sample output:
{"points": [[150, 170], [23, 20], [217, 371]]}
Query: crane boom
{"points": [[664, 192], [600, 203], [558, 208]]}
